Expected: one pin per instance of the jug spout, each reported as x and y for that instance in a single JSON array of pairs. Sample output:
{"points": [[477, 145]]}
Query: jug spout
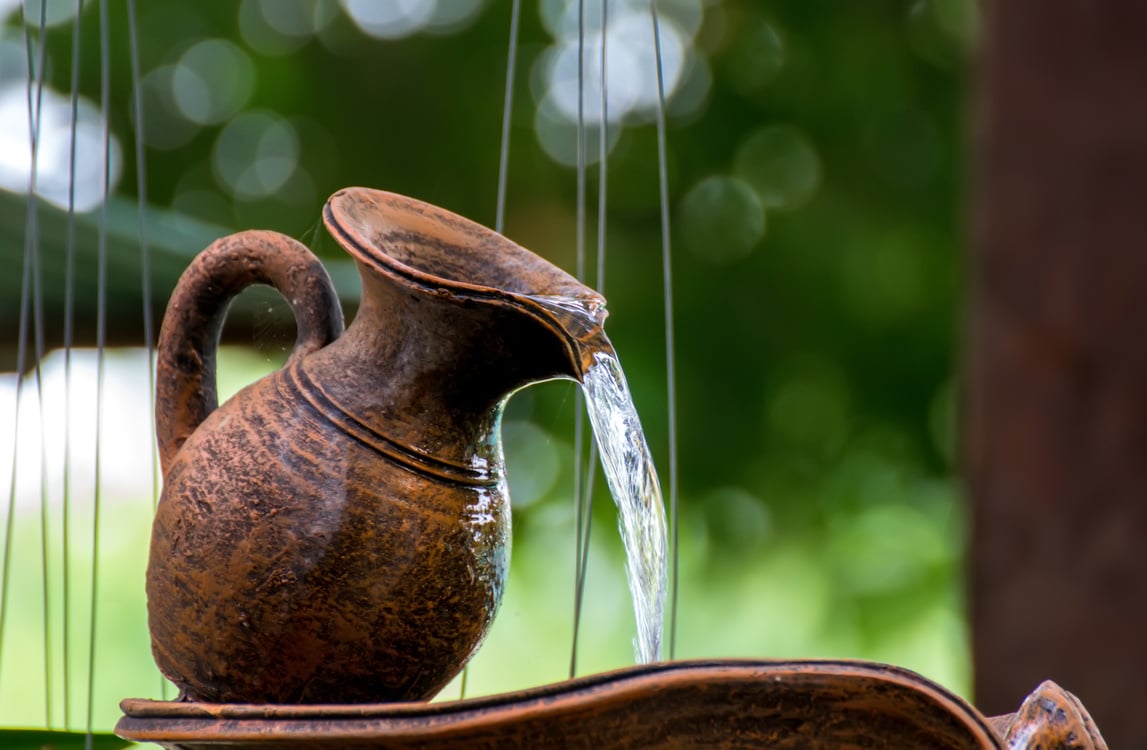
{"points": [[512, 298]]}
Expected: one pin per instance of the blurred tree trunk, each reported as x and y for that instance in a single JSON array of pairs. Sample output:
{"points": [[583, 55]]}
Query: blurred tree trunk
{"points": [[1057, 367]]}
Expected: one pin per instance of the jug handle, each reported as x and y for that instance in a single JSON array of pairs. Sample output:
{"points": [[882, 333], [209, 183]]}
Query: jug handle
{"points": [[185, 392]]}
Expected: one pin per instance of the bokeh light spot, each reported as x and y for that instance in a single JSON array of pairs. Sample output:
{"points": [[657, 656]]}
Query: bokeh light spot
{"points": [[212, 81], [721, 219], [885, 279], [888, 547], [255, 154], [631, 68], [55, 11], [811, 405], [165, 126], [755, 58], [530, 447], [53, 179], [558, 135], [904, 146], [454, 15], [738, 521], [276, 27], [942, 419], [390, 19], [781, 164], [13, 59], [943, 32]]}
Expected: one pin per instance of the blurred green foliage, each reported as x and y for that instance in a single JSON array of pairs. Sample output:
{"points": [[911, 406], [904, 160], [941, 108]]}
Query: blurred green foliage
{"points": [[816, 172], [36, 739]]}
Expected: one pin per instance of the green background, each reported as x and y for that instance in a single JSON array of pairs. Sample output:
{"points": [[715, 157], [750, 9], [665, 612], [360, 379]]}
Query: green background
{"points": [[816, 168]]}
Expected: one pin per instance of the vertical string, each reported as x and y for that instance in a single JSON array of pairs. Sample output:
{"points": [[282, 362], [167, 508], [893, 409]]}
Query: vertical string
{"points": [[144, 257], [586, 498], [503, 172], [580, 522], [670, 357], [101, 345], [21, 354], [507, 108], [35, 96], [21, 362], [144, 250], [69, 334], [602, 152]]}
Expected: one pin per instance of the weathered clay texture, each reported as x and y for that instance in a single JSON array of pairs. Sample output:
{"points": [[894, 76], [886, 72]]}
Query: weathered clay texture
{"points": [[726, 704], [337, 532]]}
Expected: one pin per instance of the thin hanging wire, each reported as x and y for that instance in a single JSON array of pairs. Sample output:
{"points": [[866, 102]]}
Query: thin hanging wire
{"points": [[503, 171], [101, 364], [21, 361], [144, 249], [36, 54], [586, 499], [21, 355], [670, 357], [579, 399], [507, 108], [69, 334], [144, 258], [602, 154]]}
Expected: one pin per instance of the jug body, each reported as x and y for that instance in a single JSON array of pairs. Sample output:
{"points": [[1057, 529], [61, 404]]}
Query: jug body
{"points": [[317, 568]]}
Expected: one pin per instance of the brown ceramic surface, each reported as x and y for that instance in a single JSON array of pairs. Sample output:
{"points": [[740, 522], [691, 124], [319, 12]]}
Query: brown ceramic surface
{"points": [[1050, 719], [728, 704], [336, 532]]}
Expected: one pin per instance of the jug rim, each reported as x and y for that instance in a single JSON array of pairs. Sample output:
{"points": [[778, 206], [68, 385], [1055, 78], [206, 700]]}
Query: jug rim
{"points": [[505, 262], [381, 229]]}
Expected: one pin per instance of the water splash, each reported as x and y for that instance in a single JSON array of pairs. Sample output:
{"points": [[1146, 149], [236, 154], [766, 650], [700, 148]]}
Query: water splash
{"points": [[637, 493]]}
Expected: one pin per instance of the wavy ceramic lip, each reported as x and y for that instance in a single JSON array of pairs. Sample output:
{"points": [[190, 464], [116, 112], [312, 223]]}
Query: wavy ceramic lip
{"points": [[424, 221], [891, 690], [428, 222]]}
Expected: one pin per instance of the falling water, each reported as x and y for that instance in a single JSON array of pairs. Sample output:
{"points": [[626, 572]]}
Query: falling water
{"points": [[633, 483], [629, 472]]}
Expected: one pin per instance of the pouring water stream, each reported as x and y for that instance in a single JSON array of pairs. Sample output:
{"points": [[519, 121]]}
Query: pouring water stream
{"points": [[632, 481]]}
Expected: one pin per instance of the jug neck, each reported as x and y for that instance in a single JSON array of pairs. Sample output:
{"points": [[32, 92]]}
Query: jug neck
{"points": [[430, 368]]}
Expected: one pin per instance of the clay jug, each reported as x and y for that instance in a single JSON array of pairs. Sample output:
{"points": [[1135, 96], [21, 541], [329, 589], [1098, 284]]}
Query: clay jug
{"points": [[337, 531]]}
